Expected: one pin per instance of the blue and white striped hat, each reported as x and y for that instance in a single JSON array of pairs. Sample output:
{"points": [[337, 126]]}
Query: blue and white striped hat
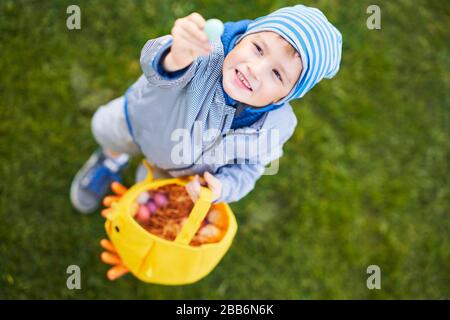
{"points": [[315, 38]]}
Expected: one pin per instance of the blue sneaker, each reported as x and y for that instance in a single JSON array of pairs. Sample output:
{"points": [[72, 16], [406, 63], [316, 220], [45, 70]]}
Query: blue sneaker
{"points": [[93, 181]]}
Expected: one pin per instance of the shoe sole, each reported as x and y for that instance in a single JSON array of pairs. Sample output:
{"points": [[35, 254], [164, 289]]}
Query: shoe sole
{"points": [[74, 187]]}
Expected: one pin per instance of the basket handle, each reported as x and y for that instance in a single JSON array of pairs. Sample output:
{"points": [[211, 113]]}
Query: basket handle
{"points": [[149, 176], [198, 213]]}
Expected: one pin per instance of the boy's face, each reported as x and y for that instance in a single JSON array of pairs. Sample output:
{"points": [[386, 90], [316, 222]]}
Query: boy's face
{"points": [[269, 65]]}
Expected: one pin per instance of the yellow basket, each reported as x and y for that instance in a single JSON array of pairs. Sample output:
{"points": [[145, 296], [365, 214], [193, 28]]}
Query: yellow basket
{"points": [[156, 260]]}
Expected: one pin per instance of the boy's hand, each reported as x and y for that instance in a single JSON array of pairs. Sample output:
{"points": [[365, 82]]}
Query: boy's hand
{"points": [[214, 184], [189, 42]]}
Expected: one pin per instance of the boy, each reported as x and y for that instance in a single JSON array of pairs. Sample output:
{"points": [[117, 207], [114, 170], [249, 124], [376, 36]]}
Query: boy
{"points": [[240, 86]]}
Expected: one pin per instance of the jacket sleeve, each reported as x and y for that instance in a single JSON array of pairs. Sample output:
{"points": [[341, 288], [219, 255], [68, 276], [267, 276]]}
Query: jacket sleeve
{"points": [[239, 179], [152, 55]]}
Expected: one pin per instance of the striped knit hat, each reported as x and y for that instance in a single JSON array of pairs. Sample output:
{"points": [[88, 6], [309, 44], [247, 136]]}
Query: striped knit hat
{"points": [[315, 38]]}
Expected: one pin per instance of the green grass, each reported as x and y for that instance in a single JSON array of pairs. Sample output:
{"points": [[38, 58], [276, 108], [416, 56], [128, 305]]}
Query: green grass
{"points": [[363, 181]]}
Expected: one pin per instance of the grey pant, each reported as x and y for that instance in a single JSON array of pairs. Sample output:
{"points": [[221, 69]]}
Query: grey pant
{"points": [[110, 130]]}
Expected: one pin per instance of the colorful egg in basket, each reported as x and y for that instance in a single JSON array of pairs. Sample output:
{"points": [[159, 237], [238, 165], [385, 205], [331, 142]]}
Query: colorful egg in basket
{"points": [[150, 257]]}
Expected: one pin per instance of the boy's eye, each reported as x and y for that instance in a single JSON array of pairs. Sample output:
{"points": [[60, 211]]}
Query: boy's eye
{"points": [[258, 48], [277, 74]]}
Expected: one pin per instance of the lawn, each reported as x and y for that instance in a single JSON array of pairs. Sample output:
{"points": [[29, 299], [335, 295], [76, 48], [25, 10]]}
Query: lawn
{"points": [[363, 181]]}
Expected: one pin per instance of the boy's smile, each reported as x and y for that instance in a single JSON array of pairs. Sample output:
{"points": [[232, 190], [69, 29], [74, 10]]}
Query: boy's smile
{"points": [[261, 69]]}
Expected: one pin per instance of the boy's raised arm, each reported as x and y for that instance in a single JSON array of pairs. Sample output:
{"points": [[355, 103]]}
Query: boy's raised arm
{"points": [[171, 60], [154, 51]]}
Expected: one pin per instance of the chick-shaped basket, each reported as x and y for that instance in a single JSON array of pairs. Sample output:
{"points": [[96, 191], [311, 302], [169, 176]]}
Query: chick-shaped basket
{"points": [[151, 258]]}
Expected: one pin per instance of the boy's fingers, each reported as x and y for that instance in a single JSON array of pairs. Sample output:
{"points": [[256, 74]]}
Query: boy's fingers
{"points": [[211, 179], [208, 179], [196, 32], [192, 195], [184, 41], [202, 181], [191, 33], [197, 19], [190, 190], [196, 185], [193, 188], [214, 184], [188, 187], [208, 176]]}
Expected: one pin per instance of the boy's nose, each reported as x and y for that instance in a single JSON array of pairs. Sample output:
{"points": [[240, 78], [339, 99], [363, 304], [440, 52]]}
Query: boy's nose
{"points": [[256, 70], [253, 73]]}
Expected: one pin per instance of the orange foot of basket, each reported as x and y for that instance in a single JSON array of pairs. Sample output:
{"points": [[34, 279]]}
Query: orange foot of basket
{"points": [[111, 257], [108, 201]]}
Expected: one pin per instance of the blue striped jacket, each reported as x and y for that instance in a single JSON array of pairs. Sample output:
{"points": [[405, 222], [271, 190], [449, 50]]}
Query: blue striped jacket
{"points": [[182, 124]]}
